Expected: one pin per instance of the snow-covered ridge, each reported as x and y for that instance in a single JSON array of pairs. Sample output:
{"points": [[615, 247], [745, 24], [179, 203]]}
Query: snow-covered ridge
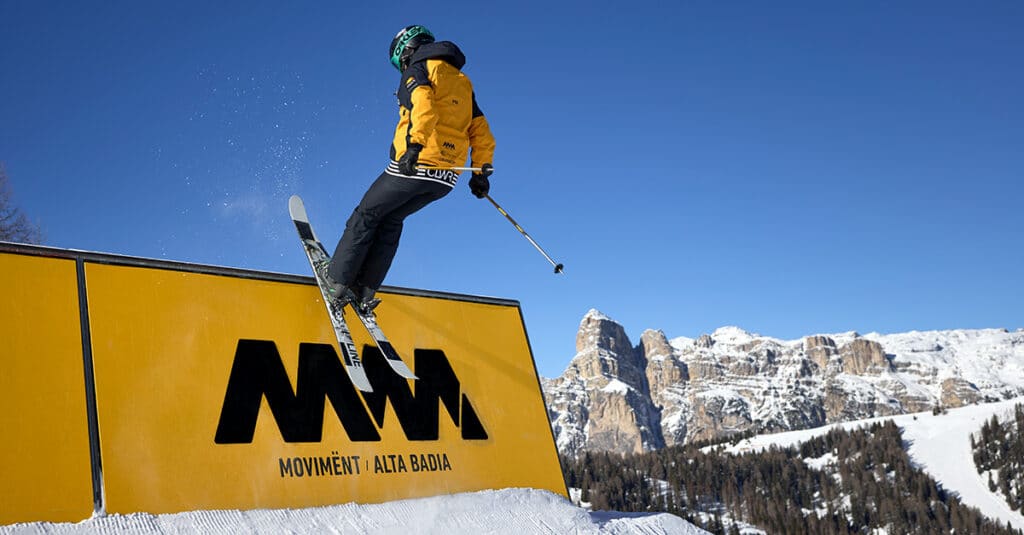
{"points": [[623, 396], [733, 335], [594, 314]]}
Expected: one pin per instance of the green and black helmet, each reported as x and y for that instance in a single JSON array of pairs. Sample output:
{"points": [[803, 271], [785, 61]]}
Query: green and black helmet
{"points": [[405, 44]]}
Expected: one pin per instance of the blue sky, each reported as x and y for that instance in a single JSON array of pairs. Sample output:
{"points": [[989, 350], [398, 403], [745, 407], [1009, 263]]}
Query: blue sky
{"points": [[787, 167]]}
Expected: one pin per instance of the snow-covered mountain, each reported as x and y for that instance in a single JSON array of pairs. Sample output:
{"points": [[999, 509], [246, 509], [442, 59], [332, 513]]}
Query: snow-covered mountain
{"points": [[615, 396]]}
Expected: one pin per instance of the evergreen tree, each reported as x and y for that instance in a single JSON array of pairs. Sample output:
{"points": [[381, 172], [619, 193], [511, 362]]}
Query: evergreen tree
{"points": [[872, 485], [1000, 449]]}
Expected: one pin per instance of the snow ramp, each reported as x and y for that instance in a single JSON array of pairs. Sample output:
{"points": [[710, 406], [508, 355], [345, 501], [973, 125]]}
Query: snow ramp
{"points": [[136, 385]]}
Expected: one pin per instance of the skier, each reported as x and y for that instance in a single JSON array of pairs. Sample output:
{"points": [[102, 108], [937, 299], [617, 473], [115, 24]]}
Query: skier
{"points": [[439, 122]]}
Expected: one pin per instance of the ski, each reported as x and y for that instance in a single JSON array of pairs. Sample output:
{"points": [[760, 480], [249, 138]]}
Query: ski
{"points": [[369, 320], [318, 256]]}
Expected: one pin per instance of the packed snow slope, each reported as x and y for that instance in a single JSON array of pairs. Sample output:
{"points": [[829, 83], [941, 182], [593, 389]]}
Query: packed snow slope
{"points": [[512, 511], [939, 444]]}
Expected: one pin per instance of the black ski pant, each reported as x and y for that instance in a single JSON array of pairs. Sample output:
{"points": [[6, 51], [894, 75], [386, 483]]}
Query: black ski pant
{"points": [[370, 241]]}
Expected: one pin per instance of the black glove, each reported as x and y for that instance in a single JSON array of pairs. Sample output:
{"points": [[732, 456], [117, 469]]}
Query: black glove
{"points": [[407, 163], [479, 185]]}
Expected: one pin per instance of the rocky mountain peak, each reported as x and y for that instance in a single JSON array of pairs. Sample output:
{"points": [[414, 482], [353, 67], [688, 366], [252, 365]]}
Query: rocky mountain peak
{"points": [[655, 345], [598, 331], [610, 374], [605, 353], [705, 341]]}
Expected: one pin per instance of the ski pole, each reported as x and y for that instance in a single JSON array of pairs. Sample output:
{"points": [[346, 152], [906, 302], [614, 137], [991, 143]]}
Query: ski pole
{"points": [[558, 267], [433, 168]]}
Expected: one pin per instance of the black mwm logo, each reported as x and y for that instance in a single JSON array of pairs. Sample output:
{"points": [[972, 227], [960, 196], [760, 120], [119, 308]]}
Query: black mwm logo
{"points": [[259, 372]]}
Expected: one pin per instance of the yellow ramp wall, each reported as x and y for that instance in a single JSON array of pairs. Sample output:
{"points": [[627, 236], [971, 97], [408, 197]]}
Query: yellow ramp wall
{"points": [[44, 455], [223, 389]]}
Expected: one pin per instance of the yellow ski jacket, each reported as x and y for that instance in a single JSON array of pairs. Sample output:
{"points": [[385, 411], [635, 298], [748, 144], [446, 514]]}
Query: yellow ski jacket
{"points": [[438, 109]]}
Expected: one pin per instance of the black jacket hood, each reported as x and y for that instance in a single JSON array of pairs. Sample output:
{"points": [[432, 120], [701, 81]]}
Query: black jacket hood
{"points": [[443, 50]]}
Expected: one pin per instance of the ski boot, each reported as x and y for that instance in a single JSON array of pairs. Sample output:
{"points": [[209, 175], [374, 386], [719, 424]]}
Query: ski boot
{"points": [[365, 300], [339, 293]]}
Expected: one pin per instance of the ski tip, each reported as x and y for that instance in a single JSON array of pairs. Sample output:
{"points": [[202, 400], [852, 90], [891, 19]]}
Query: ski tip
{"points": [[359, 379], [297, 209], [402, 369]]}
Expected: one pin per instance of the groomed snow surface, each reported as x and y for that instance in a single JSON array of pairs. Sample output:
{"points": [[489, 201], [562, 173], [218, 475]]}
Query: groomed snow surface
{"points": [[939, 444], [512, 511]]}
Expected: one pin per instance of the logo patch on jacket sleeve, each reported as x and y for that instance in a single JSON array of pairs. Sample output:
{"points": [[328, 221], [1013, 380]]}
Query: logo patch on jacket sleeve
{"points": [[410, 83]]}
